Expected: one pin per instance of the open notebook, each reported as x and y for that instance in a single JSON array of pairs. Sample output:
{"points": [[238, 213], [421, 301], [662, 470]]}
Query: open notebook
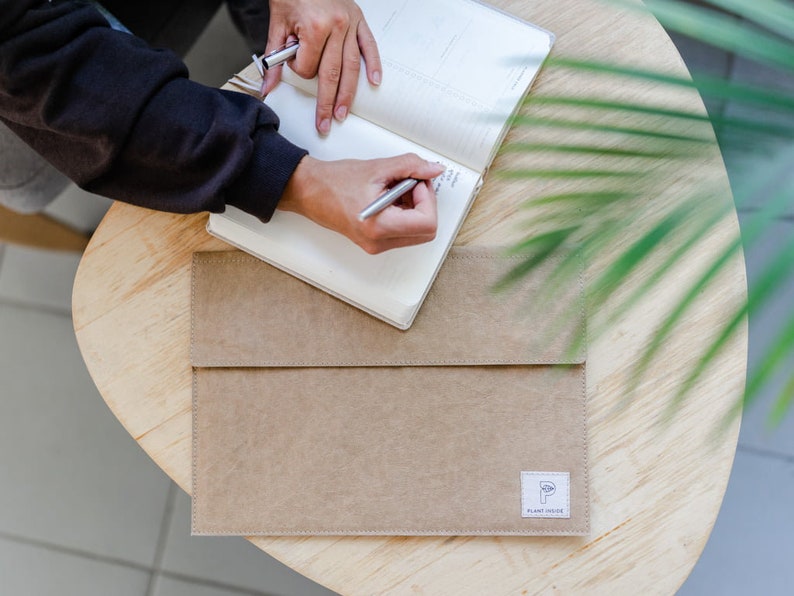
{"points": [[454, 71]]}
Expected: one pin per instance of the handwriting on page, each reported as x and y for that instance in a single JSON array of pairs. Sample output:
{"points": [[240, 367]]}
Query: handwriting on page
{"points": [[447, 180]]}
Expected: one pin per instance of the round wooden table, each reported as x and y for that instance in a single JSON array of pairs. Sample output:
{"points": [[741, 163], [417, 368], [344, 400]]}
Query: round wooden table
{"points": [[655, 488]]}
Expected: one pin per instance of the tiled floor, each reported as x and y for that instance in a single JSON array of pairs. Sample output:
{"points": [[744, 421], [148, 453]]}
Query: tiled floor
{"points": [[83, 510]]}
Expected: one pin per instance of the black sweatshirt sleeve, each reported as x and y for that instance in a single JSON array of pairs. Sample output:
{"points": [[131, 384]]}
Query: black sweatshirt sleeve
{"points": [[122, 119]]}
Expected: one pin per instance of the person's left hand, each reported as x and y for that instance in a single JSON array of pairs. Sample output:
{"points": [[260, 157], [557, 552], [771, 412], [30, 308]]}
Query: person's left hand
{"points": [[333, 37]]}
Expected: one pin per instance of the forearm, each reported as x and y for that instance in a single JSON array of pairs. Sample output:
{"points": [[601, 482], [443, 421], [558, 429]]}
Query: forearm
{"points": [[123, 120]]}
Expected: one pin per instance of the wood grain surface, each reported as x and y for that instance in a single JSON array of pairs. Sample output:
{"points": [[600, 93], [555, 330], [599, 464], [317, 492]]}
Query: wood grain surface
{"points": [[656, 484]]}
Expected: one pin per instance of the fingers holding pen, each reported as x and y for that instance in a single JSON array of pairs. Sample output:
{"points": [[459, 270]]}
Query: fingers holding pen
{"points": [[333, 193], [333, 37], [415, 214], [277, 40], [413, 220]]}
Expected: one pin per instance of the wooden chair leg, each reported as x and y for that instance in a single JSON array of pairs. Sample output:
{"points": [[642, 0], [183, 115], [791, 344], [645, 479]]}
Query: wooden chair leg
{"points": [[39, 231]]}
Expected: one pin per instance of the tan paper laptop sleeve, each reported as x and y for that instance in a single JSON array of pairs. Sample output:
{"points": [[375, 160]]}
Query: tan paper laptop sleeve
{"points": [[312, 417]]}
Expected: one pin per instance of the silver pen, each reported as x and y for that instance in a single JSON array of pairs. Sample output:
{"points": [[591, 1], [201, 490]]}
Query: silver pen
{"points": [[387, 198]]}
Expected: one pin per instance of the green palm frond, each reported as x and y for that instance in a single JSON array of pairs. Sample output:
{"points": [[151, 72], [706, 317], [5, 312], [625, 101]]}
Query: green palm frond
{"points": [[631, 150], [728, 33], [770, 14], [707, 85]]}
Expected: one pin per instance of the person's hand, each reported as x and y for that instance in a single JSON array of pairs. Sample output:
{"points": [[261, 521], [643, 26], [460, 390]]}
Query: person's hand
{"points": [[332, 193], [333, 37]]}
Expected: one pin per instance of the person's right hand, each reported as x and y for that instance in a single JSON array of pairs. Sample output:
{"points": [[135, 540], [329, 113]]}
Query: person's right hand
{"points": [[332, 193]]}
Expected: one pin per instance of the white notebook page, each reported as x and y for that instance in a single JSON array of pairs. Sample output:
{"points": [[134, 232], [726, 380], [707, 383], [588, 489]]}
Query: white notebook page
{"points": [[393, 282], [464, 66]]}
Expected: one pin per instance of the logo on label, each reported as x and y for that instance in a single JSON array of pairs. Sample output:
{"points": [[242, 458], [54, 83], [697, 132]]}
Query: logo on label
{"points": [[547, 489], [545, 494]]}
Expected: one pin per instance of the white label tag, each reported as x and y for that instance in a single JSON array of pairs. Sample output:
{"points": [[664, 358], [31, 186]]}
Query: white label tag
{"points": [[545, 494]]}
